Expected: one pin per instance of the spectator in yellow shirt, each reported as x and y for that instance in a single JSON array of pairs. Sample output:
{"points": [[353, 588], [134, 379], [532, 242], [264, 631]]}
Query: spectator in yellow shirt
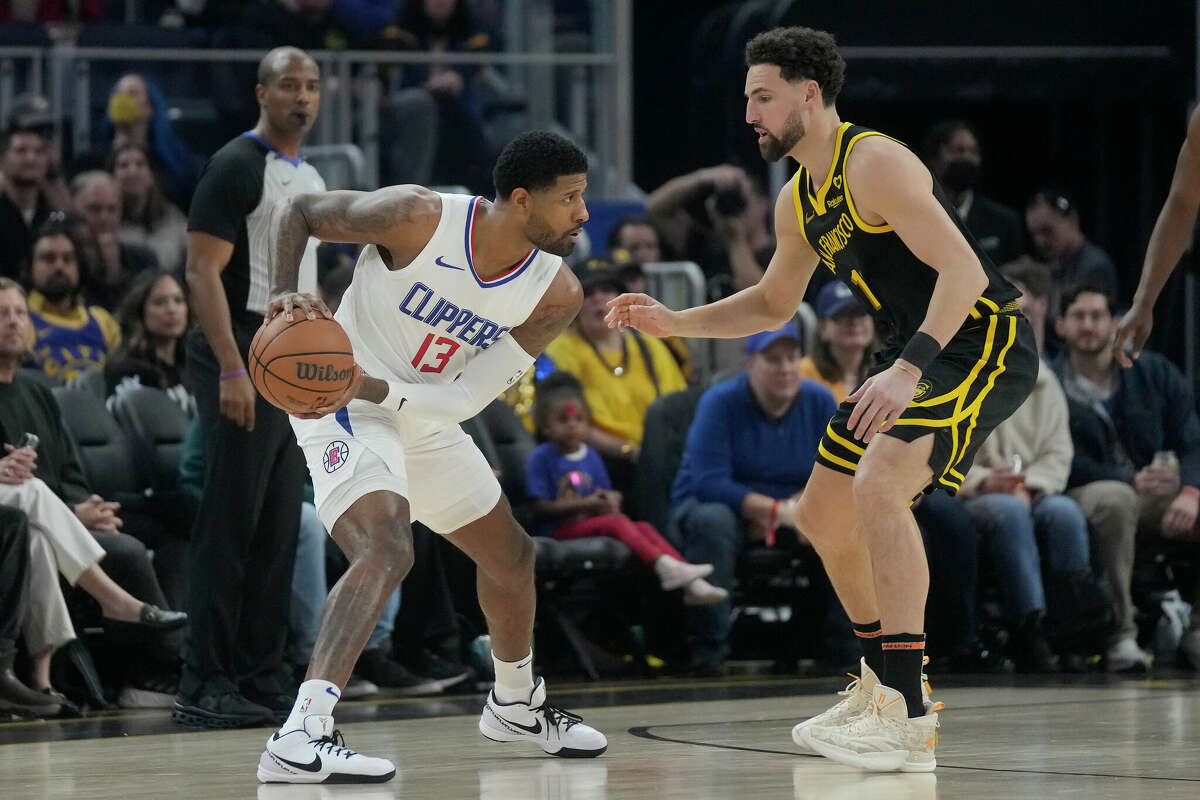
{"points": [[845, 339], [622, 372]]}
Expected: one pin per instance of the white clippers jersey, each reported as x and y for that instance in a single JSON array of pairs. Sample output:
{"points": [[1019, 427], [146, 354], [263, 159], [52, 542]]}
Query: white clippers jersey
{"points": [[423, 323]]}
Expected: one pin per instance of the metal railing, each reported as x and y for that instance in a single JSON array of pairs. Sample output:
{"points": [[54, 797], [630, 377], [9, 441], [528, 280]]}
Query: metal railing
{"points": [[598, 107], [678, 284]]}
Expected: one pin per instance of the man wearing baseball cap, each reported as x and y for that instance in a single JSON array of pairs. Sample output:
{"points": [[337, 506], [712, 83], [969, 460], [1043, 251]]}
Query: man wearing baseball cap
{"points": [[750, 449]]}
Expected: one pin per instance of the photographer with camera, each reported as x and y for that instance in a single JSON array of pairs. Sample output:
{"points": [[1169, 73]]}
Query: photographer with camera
{"points": [[716, 217]]}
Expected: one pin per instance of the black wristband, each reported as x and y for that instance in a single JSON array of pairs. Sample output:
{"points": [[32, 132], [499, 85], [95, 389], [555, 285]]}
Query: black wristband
{"points": [[921, 350]]}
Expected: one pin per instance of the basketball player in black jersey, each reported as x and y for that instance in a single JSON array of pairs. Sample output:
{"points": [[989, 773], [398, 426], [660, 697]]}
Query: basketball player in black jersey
{"points": [[957, 359]]}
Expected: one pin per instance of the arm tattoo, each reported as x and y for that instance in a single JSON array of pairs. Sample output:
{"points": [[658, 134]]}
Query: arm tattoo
{"points": [[290, 242], [544, 327], [362, 214], [358, 217]]}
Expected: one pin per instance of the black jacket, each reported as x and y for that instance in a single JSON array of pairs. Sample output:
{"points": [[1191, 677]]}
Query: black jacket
{"points": [[1152, 410], [28, 407]]}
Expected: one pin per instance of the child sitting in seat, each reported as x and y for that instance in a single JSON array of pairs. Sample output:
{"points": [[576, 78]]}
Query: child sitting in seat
{"points": [[574, 498]]}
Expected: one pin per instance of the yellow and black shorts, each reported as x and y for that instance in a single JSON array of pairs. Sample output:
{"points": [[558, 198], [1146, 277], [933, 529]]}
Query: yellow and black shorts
{"points": [[981, 377]]}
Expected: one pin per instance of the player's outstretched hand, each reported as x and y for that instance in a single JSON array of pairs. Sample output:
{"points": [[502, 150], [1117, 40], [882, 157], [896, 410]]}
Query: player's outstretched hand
{"points": [[337, 403], [880, 401], [1136, 324], [640, 311], [289, 303]]}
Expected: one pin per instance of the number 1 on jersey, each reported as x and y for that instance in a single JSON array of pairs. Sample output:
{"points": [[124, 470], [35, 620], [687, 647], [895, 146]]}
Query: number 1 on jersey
{"points": [[440, 359]]}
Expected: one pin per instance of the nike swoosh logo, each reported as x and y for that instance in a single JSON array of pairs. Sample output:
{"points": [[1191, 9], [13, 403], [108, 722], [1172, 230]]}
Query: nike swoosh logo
{"points": [[315, 766], [441, 263], [403, 400], [534, 729], [336, 696]]}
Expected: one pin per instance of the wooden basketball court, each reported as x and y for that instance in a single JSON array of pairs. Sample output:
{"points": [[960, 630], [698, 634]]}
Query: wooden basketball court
{"points": [[701, 740]]}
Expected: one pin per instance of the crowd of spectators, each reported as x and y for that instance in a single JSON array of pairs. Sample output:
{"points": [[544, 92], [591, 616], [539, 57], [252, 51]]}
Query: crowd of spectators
{"points": [[1035, 564]]}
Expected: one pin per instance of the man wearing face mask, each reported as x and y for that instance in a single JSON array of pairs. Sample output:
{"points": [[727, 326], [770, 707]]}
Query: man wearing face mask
{"points": [[951, 149]]}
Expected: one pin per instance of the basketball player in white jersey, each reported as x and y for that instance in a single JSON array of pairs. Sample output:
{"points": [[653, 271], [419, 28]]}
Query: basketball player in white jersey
{"points": [[452, 299]]}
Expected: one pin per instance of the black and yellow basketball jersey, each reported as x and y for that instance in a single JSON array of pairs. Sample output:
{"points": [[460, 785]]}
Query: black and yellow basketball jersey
{"points": [[872, 260]]}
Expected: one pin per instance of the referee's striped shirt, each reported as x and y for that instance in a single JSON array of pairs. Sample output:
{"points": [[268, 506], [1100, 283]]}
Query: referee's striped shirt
{"points": [[240, 191]]}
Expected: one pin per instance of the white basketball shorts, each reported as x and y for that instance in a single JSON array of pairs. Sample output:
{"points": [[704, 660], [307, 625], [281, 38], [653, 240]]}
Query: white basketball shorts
{"points": [[365, 448]]}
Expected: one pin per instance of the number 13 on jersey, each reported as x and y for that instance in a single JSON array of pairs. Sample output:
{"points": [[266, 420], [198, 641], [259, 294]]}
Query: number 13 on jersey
{"points": [[437, 359]]}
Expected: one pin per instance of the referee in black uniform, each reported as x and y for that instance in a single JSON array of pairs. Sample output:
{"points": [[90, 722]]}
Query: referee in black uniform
{"points": [[244, 540]]}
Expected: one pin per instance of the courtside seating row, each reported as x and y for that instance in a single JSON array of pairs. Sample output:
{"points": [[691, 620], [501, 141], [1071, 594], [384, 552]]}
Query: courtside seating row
{"points": [[133, 442], [133, 447]]}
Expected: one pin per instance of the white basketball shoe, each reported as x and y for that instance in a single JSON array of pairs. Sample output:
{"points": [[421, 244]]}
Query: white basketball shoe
{"points": [[317, 753], [855, 699], [557, 732], [882, 738]]}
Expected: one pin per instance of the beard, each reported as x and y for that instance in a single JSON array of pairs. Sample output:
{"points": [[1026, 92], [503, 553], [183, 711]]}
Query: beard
{"points": [[58, 288], [547, 240], [775, 148], [1090, 345]]}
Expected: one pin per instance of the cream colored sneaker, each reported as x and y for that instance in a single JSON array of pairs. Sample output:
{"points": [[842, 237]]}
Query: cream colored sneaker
{"points": [[883, 738], [855, 699]]}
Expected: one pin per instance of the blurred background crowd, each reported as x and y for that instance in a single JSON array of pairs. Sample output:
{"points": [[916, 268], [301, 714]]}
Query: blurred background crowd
{"points": [[1072, 547]]}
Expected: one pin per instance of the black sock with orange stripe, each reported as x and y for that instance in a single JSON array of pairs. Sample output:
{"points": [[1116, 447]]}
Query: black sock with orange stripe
{"points": [[902, 656], [870, 636]]}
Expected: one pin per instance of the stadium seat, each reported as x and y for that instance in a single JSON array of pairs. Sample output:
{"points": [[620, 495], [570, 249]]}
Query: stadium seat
{"points": [[90, 381], [342, 166], [156, 427], [513, 445], [100, 444], [667, 421]]}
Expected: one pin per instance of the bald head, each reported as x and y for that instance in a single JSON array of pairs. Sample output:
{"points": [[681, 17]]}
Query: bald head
{"points": [[84, 181], [289, 96], [98, 201], [276, 62]]}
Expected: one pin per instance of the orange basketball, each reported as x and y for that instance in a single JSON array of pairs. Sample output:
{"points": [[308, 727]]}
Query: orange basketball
{"points": [[302, 364]]}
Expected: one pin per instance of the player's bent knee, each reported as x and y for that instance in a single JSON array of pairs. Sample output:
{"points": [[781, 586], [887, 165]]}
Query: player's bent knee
{"points": [[525, 561], [820, 523], [391, 550], [876, 489], [385, 545], [515, 566]]}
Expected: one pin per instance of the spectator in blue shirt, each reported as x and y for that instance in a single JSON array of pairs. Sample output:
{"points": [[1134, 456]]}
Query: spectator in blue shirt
{"points": [[749, 452]]}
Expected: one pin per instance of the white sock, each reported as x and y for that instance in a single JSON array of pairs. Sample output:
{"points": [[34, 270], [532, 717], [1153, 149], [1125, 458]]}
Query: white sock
{"points": [[316, 697], [514, 679]]}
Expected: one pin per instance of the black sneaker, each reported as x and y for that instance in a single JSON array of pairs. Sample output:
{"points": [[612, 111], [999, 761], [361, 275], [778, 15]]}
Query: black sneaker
{"points": [[378, 668], [444, 672], [218, 704], [280, 705], [276, 692], [1030, 651]]}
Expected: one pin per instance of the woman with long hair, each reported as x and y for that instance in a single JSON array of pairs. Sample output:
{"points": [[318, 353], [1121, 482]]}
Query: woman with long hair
{"points": [[147, 217], [154, 317], [845, 337]]}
